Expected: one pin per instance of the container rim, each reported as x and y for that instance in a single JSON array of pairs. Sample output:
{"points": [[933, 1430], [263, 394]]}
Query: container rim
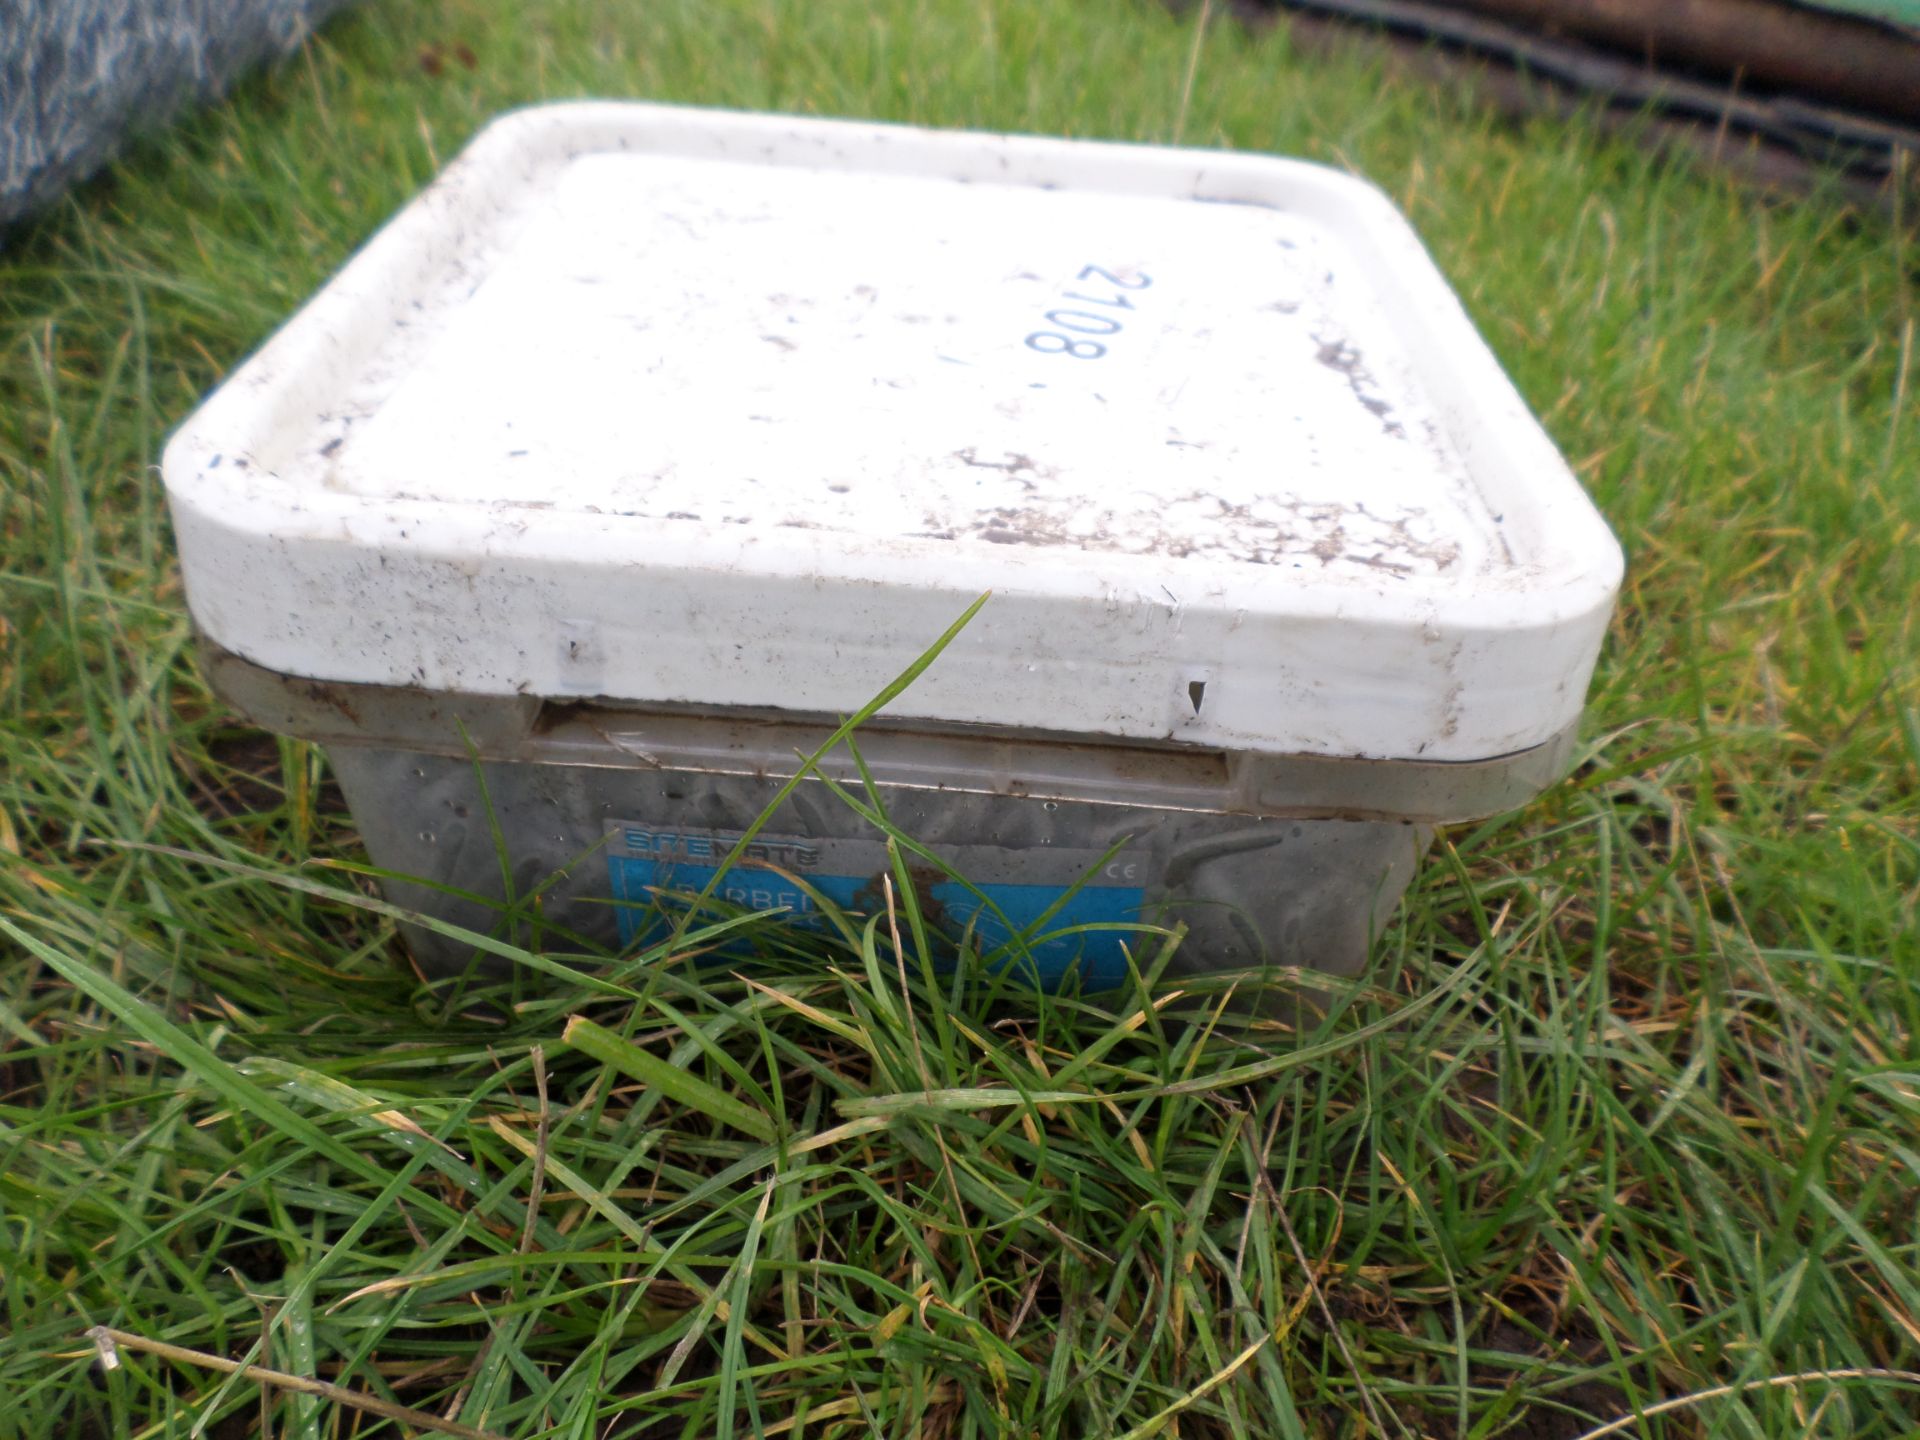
{"points": [[898, 752]]}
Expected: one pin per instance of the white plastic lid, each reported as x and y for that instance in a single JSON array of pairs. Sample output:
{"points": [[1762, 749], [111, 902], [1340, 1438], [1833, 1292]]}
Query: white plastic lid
{"points": [[679, 405]]}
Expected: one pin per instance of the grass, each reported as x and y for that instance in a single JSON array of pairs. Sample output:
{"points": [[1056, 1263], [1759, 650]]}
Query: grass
{"points": [[1624, 1120]]}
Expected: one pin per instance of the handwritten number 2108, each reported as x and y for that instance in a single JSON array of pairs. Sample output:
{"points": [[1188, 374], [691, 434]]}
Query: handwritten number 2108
{"points": [[1072, 329]]}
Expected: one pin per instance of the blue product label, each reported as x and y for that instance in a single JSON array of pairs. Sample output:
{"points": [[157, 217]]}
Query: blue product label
{"points": [[1009, 893]]}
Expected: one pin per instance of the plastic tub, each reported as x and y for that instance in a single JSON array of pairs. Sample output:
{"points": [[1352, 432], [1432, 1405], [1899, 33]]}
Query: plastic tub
{"points": [[649, 441]]}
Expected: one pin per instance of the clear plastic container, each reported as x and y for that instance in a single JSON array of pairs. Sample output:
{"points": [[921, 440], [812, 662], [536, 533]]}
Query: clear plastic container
{"points": [[648, 442]]}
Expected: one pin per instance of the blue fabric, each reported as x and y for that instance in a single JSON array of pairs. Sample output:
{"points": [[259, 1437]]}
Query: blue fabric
{"points": [[77, 76]]}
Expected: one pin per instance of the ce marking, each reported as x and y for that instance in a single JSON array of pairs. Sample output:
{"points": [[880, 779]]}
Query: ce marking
{"points": [[1123, 870]]}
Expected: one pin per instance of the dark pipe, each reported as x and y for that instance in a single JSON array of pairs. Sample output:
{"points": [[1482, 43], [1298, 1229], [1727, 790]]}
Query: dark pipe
{"points": [[1798, 131], [1780, 46]]}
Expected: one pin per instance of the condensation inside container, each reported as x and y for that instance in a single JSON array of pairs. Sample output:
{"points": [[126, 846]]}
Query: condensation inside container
{"points": [[1251, 892]]}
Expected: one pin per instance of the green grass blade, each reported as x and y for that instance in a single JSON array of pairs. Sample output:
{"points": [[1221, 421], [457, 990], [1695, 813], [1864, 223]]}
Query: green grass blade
{"points": [[685, 1089]]}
